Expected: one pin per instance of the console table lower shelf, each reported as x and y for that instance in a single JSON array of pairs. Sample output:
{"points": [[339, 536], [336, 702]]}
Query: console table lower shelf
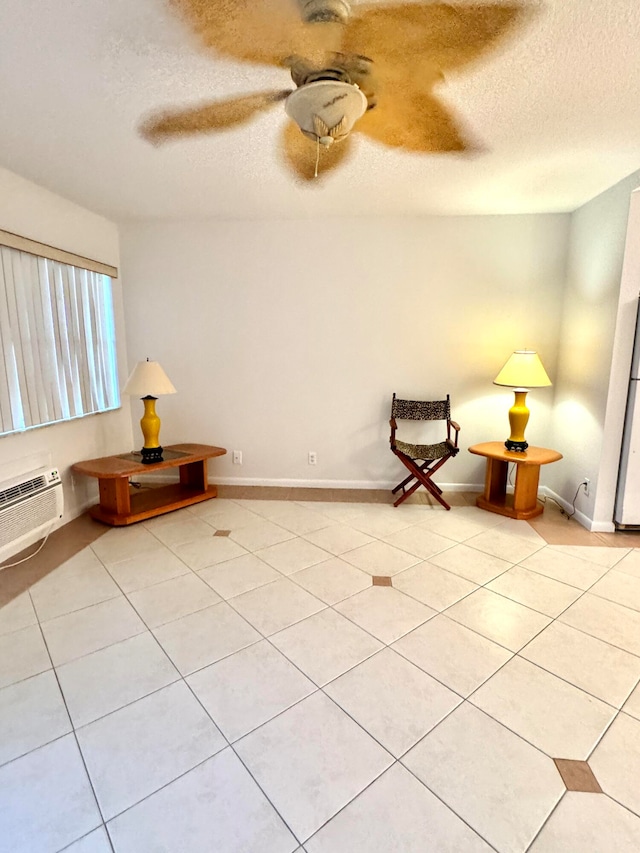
{"points": [[120, 506]]}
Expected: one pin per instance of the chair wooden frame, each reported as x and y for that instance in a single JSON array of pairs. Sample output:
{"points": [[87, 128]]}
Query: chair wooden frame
{"points": [[421, 470]]}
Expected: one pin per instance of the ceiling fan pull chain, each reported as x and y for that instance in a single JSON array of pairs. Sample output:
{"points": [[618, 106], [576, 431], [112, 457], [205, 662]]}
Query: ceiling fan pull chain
{"points": [[317, 155]]}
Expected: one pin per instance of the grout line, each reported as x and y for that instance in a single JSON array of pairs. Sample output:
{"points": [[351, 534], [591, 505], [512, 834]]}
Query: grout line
{"points": [[546, 821], [73, 732], [444, 803], [86, 835]]}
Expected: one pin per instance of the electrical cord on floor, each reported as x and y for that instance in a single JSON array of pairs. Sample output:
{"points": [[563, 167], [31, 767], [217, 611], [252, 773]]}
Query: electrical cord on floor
{"points": [[573, 503], [37, 551], [563, 511], [544, 498]]}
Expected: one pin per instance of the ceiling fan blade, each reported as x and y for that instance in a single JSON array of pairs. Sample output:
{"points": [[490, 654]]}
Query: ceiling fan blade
{"points": [[203, 118], [446, 36], [258, 31], [414, 121], [301, 152]]}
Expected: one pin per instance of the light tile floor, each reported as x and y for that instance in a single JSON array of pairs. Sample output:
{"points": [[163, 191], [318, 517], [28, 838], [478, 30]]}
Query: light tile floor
{"points": [[166, 689]]}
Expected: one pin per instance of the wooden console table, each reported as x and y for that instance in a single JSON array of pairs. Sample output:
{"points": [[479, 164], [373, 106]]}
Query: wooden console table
{"points": [[118, 506], [523, 503]]}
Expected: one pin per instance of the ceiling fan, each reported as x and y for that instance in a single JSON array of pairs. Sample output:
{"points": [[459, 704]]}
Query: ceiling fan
{"points": [[371, 69]]}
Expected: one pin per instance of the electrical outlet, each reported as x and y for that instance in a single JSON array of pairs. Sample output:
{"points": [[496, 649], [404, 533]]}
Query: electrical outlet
{"points": [[313, 457], [237, 457], [586, 483]]}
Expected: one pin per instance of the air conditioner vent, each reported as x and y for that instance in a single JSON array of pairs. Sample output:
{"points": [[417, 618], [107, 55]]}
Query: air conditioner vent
{"points": [[22, 490], [29, 509]]}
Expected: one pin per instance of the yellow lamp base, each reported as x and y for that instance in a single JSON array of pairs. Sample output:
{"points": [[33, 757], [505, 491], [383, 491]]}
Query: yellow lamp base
{"points": [[518, 418], [150, 425]]}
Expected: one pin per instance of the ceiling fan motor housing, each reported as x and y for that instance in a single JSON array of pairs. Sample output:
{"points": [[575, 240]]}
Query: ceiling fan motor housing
{"points": [[331, 103], [324, 11]]}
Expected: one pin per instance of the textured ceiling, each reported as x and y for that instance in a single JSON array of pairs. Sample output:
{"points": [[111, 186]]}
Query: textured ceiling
{"points": [[556, 111]]}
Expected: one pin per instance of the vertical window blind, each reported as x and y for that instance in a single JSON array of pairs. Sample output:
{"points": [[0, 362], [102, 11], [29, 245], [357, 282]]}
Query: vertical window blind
{"points": [[57, 342]]}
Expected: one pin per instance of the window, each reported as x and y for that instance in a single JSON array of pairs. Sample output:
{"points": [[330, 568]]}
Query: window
{"points": [[57, 341]]}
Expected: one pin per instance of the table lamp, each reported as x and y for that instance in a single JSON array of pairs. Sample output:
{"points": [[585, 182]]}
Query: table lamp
{"points": [[148, 381], [522, 371]]}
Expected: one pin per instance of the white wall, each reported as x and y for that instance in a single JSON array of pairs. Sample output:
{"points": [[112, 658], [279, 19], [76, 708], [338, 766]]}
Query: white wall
{"points": [[586, 345], [290, 336], [31, 211]]}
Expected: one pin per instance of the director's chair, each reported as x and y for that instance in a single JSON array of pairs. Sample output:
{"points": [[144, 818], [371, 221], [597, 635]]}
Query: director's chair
{"points": [[422, 460]]}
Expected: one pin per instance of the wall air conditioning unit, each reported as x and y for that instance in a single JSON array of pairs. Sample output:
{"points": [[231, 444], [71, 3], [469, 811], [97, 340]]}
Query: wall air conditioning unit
{"points": [[29, 507]]}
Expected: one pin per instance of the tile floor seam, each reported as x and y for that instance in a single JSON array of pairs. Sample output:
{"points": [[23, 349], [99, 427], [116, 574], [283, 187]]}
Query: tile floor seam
{"points": [[607, 569], [513, 651], [151, 793], [86, 835], [541, 612], [388, 646], [490, 554], [549, 672], [164, 785], [175, 618], [394, 760], [367, 732], [570, 683], [297, 621], [332, 556], [546, 821], [306, 675], [154, 583], [397, 761], [78, 609], [279, 713], [318, 689], [500, 723], [211, 663], [585, 592], [595, 637], [259, 586], [613, 600], [412, 553], [75, 736], [445, 803], [346, 616], [152, 630], [552, 618], [530, 743], [265, 795], [520, 565], [16, 758], [419, 600], [621, 804], [88, 607], [602, 735], [128, 704], [435, 678]]}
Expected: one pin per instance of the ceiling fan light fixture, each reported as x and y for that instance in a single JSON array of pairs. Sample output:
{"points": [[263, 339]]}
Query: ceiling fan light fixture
{"points": [[329, 105], [324, 11]]}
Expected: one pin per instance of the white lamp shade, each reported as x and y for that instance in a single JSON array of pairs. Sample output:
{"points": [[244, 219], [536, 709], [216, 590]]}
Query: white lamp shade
{"points": [[148, 379], [523, 369]]}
